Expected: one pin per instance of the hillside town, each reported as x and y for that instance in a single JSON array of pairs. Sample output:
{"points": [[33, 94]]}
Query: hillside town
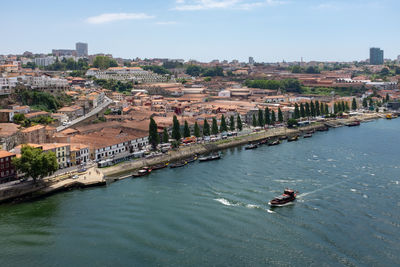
{"points": [[97, 109]]}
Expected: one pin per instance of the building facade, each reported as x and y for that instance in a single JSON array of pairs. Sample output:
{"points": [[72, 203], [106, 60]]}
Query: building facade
{"points": [[375, 56], [81, 49], [7, 170]]}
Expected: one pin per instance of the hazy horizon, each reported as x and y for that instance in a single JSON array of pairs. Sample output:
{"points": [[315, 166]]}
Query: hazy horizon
{"points": [[268, 30]]}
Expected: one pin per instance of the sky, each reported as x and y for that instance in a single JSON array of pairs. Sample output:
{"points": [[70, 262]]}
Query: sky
{"points": [[268, 30]]}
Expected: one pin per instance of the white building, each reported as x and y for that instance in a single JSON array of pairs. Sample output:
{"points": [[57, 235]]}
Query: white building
{"points": [[44, 61]]}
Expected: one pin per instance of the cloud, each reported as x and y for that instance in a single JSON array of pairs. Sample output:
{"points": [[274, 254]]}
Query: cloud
{"points": [[193, 5], [111, 17]]}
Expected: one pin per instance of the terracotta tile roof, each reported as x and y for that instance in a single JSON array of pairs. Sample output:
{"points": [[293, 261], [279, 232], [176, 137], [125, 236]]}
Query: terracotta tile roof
{"points": [[4, 153]]}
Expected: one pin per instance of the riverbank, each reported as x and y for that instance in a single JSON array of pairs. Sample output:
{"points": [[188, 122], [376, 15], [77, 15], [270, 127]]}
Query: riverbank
{"points": [[29, 190], [100, 177], [122, 170]]}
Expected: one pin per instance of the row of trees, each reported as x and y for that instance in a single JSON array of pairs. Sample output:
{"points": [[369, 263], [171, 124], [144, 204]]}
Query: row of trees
{"points": [[114, 85], [68, 64], [195, 70], [289, 85], [154, 138]]}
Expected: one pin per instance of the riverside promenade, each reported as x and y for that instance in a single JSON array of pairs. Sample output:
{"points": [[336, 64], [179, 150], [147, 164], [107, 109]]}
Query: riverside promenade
{"points": [[30, 190]]}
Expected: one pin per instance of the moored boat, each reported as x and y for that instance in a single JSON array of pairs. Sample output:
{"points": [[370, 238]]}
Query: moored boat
{"points": [[353, 123], [389, 116], [283, 137], [293, 138], [215, 156], [251, 146], [274, 143], [263, 142], [191, 159], [178, 164], [142, 172], [287, 197], [323, 129], [159, 166], [307, 135]]}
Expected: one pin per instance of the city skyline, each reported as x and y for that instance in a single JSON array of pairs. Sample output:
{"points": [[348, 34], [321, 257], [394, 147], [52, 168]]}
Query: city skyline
{"points": [[269, 30]]}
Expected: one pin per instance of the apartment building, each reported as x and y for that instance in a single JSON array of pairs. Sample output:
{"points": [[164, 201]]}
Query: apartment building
{"points": [[79, 154], [35, 134], [7, 170]]}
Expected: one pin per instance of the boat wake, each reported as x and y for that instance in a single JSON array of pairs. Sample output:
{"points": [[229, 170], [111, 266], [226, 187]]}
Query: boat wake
{"points": [[226, 202], [323, 188]]}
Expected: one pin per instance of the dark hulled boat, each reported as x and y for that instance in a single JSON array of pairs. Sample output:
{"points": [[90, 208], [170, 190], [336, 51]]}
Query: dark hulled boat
{"points": [[307, 135], [251, 146], [142, 172], [353, 123], [210, 157], [293, 138], [191, 159], [178, 164], [283, 137], [274, 143], [288, 196], [159, 166], [263, 142], [323, 129]]}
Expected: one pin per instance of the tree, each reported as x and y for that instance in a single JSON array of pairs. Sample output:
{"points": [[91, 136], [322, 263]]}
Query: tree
{"points": [[154, 139], [302, 111], [343, 106], [260, 118], [35, 163], [196, 130], [186, 130], [267, 116], [103, 62], [19, 118], [296, 111], [365, 103], [223, 127], [206, 128], [387, 97], [214, 126], [354, 104], [165, 137], [232, 123], [176, 129], [317, 109], [308, 110], [254, 120], [273, 117], [336, 108], [371, 102], [280, 115], [321, 107], [291, 123], [312, 109], [239, 122], [326, 110]]}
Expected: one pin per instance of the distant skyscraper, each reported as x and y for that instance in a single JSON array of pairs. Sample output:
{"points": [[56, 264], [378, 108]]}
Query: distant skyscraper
{"points": [[375, 56], [251, 60], [82, 49], [398, 58]]}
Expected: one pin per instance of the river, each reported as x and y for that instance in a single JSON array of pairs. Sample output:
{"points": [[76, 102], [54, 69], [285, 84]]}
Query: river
{"points": [[216, 213]]}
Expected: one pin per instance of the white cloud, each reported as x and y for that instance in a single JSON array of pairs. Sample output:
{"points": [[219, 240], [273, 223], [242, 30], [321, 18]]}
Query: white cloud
{"points": [[192, 5], [110, 17]]}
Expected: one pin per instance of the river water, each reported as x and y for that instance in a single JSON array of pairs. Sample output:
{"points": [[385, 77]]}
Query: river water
{"points": [[216, 213]]}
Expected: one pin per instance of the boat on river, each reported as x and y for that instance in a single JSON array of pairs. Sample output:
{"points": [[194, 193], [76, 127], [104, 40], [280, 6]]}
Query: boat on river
{"points": [[287, 197], [274, 143], [251, 146], [307, 135], [323, 129], [159, 166], [215, 156], [191, 159], [263, 142], [353, 123], [293, 138], [389, 116], [178, 164], [142, 172]]}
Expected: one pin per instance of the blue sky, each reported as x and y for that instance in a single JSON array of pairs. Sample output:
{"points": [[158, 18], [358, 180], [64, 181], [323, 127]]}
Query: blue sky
{"points": [[268, 30]]}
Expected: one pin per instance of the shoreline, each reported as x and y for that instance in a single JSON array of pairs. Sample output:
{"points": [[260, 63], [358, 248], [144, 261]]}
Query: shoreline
{"points": [[94, 176]]}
